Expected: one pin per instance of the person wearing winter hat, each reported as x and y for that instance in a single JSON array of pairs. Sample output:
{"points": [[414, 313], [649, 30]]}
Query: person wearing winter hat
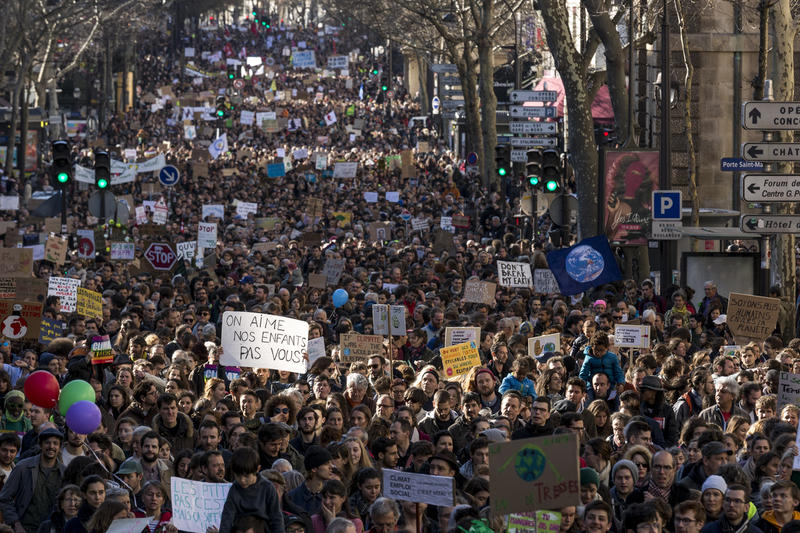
{"points": [[14, 418], [318, 462], [625, 475], [712, 492], [590, 482]]}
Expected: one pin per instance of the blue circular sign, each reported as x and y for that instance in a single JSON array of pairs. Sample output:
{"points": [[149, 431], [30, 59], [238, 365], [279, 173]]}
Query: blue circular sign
{"points": [[472, 158], [169, 176]]}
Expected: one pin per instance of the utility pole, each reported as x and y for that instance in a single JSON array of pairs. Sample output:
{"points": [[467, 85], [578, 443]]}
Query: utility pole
{"points": [[666, 248]]}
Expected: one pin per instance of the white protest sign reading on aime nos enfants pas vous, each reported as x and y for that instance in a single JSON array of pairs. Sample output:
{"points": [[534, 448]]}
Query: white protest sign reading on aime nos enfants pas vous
{"points": [[259, 340]]}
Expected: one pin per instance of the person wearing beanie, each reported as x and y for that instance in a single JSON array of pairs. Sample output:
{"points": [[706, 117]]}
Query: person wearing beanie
{"points": [[14, 419], [712, 492], [590, 482], [625, 476], [308, 496]]}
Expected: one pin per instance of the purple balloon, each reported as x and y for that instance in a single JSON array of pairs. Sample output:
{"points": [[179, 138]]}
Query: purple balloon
{"points": [[83, 417]]}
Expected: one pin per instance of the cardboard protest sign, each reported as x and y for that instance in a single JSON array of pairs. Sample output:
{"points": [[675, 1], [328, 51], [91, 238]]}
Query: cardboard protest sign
{"points": [[459, 359], [355, 347], [481, 292], [316, 349], [420, 488], [314, 207], [397, 320], [333, 270], [258, 340], [89, 303], [544, 281], [50, 330], [752, 317], [545, 343], [55, 250], [123, 251], [538, 473], [345, 169], [380, 319], [460, 335], [730, 349], [128, 525], [318, 281], [788, 389], [206, 235], [101, 351], [197, 505], [30, 289], [8, 289], [66, 289], [534, 522], [631, 336], [20, 319], [513, 274], [443, 242], [380, 231]]}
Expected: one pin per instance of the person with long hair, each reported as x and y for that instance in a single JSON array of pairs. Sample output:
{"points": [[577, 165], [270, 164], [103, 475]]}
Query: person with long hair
{"points": [[106, 514], [357, 456], [214, 390], [154, 496], [602, 418], [334, 504], [551, 384], [117, 400], [282, 408]]}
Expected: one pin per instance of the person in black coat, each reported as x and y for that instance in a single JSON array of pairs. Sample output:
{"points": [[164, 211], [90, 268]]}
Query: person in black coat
{"points": [[539, 424]]}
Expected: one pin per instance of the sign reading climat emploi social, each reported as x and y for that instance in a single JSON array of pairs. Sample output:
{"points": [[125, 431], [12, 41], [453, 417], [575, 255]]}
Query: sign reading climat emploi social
{"points": [[259, 340]]}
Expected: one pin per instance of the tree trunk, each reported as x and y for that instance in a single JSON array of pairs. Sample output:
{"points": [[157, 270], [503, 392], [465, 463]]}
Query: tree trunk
{"points": [[488, 99], [782, 264], [763, 46], [580, 142], [15, 98], [615, 62], [688, 118]]}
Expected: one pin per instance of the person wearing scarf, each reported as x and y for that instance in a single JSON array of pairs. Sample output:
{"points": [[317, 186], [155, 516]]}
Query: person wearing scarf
{"points": [[14, 418], [678, 309]]}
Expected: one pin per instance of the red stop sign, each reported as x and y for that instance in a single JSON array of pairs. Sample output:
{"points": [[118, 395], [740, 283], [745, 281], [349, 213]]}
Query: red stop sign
{"points": [[161, 256]]}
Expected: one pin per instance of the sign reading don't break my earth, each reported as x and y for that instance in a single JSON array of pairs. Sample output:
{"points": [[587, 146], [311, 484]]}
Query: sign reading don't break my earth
{"points": [[259, 340]]}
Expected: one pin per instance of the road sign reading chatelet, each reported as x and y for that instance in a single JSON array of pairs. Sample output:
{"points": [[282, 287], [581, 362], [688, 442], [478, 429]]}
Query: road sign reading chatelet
{"points": [[532, 127], [771, 115], [770, 224], [771, 151], [770, 187], [533, 96]]}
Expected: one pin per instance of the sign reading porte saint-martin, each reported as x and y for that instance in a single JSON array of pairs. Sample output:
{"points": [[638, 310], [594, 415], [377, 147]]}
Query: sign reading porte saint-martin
{"points": [[771, 116], [770, 187]]}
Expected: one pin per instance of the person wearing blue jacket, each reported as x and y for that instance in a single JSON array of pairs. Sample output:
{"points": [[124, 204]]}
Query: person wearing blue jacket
{"points": [[598, 359], [517, 379]]}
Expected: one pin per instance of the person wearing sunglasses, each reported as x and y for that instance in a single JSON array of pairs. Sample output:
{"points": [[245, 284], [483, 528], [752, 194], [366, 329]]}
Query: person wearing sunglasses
{"points": [[281, 408]]}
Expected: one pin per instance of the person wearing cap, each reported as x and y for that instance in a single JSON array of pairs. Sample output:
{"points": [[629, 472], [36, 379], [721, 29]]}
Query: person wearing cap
{"points": [[14, 418], [655, 407], [714, 455], [29, 493], [130, 472], [726, 392], [318, 462]]}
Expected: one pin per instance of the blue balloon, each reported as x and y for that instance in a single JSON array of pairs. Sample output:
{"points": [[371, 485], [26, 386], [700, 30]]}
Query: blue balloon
{"points": [[340, 297], [83, 417]]}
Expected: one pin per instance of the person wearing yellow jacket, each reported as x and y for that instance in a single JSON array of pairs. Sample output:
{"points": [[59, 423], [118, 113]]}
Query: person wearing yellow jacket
{"points": [[785, 499]]}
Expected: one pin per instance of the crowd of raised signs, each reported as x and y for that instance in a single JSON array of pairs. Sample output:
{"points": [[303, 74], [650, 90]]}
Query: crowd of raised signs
{"points": [[388, 361]]}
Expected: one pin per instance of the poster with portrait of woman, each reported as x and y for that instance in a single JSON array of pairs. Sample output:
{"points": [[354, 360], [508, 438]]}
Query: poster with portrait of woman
{"points": [[630, 178]]}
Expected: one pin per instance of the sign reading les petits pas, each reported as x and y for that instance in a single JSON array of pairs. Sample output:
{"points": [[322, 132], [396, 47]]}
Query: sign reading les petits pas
{"points": [[538, 473], [753, 317]]}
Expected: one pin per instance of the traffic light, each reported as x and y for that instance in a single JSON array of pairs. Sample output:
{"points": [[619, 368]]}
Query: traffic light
{"points": [[231, 72], [384, 81], [502, 160], [61, 169], [533, 168], [102, 170], [375, 70], [551, 170], [222, 109], [604, 135]]}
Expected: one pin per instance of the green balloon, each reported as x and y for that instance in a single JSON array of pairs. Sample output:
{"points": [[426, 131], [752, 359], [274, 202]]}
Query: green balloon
{"points": [[72, 392]]}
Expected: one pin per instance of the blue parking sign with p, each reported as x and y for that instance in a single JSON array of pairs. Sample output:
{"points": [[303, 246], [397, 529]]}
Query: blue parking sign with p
{"points": [[666, 205]]}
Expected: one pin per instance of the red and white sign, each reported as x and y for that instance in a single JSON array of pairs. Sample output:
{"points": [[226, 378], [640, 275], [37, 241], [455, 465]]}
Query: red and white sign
{"points": [[238, 84], [86, 243], [161, 256]]}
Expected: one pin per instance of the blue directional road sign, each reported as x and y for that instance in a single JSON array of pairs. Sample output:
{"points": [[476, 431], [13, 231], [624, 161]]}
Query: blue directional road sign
{"points": [[736, 164], [666, 205], [169, 176]]}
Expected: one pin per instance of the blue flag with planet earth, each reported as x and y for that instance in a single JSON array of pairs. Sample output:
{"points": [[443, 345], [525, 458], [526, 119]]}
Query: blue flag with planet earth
{"points": [[585, 265]]}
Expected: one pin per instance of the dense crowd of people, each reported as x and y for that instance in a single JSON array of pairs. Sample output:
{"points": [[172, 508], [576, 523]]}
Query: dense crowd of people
{"points": [[683, 436]]}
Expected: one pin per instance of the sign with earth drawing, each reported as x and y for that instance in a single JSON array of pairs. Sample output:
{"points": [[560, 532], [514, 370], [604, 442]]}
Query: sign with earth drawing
{"points": [[538, 473]]}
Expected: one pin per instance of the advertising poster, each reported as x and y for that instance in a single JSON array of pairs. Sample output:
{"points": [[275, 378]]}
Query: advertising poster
{"points": [[630, 178]]}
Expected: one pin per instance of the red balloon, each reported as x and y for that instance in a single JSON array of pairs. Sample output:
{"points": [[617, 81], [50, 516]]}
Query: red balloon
{"points": [[42, 389]]}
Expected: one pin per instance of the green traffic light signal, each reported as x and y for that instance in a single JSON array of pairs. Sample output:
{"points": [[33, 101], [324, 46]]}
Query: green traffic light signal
{"points": [[384, 87], [254, 13], [102, 183], [230, 76], [62, 177], [502, 171], [264, 23], [374, 72], [551, 185], [533, 180], [220, 113]]}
